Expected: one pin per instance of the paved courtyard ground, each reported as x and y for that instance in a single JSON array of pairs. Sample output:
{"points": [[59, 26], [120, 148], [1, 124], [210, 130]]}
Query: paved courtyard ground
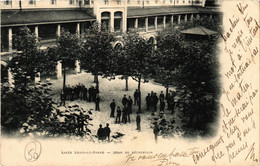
{"points": [[115, 89]]}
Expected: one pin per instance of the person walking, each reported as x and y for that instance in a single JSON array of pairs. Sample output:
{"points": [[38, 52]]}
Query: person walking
{"points": [[129, 104], [138, 122], [124, 117], [97, 100], [124, 101], [148, 102], [162, 107], [156, 131], [118, 115], [100, 133], [161, 96], [135, 97], [107, 132], [113, 107], [62, 98]]}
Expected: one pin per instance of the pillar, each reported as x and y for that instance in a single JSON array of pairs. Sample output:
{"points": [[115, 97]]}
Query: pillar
{"points": [[164, 21], [112, 21], [37, 78], [191, 17], [36, 31], [146, 24], [179, 19], [185, 18], [58, 30], [198, 16], [59, 69], [78, 29], [210, 16], [172, 19], [136, 23], [77, 69], [10, 39], [10, 76], [155, 22]]}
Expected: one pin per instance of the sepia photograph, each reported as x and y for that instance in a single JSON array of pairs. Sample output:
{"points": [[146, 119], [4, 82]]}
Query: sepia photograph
{"points": [[129, 82]]}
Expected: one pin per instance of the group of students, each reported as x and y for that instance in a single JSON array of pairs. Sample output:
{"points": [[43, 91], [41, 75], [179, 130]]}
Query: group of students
{"points": [[125, 112], [152, 101], [104, 133], [80, 92]]}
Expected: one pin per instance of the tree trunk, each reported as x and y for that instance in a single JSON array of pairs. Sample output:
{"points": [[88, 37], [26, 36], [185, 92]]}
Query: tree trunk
{"points": [[167, 91], [139, 96], [96, 81], [126, 83], [64, 77]]}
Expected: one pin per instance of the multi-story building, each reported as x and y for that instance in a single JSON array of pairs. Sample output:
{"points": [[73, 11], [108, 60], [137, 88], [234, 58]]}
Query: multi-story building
{"points": [[46, 17]]}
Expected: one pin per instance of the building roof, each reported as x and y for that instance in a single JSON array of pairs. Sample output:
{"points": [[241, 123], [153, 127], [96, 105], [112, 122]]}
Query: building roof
{"points": [[153, 11], [199, 31], [30, 17], [209, 10]]}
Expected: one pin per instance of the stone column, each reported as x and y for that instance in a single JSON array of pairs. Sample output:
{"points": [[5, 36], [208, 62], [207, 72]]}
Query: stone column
{"points": [[58, 30], [172, 19], [191, 17], [78, 29], [59, 69], [146, 24], [37, 78], [10, 76], [112, 21], [164, 21], [36, 31], [155, 22], [77, 68], [198, 16], [179, 19], [10, 39], [185, 18], [136, 23]]}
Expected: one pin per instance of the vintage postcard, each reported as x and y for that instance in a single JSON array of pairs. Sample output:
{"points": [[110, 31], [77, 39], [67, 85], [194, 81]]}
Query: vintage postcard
{"points": [[130, 82]]}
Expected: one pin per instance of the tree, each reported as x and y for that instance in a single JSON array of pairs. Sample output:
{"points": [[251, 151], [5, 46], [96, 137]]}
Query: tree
{"points": [[48, 61], [138, 52], [121, 65], [25, 64], [68, 50], [97, 51], [20, 105], [193, 69]]}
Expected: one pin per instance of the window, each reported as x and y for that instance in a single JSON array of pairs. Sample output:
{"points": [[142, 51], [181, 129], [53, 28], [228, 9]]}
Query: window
{"points": [[8, 2], [53, 2], [86, 2], [106, 2], [71, 2], [31, 2]]}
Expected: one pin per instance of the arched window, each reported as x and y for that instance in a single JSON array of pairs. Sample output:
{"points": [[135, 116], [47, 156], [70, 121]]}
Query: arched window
{"points": [[118, 46], [152, 42], [118, 21], [105, 19]]}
